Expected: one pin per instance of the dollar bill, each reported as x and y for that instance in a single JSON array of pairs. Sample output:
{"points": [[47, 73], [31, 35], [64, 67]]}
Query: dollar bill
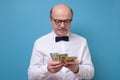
{"points": [[54, 56], [58, 57], [63, 57], [71, 59]]}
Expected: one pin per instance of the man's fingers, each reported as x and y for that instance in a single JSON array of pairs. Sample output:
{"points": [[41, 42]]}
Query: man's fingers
{"points": [[53, 63]]}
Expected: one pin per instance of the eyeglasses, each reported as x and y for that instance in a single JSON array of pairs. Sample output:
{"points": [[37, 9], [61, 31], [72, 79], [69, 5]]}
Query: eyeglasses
{"points": [[59, 22]]}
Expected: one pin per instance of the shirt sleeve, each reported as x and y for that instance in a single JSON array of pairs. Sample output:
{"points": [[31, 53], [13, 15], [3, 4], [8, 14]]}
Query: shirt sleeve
{"points": [[86, 68], [38, 67]]}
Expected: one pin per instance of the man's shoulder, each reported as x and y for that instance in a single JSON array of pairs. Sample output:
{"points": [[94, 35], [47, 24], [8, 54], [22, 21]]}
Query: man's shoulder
{"points": [[44, 37], [77, 36]]}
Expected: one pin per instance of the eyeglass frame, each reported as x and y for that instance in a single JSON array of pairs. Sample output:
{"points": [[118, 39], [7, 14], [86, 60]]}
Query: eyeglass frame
{"points": [[59, 22]]}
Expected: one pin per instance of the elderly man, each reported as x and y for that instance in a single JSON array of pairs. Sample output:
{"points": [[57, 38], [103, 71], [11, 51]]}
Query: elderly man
{"points": [[60, 40]]}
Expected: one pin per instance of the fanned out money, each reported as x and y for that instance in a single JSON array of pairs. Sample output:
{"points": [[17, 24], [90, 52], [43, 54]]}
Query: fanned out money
{"points": [[62, 57]]}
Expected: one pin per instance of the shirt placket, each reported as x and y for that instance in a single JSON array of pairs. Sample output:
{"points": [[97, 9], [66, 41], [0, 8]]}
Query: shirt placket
{"points": [[63, 50]]}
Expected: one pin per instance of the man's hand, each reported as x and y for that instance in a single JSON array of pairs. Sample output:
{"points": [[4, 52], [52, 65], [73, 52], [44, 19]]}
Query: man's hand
{"points": [[73, 66], [54, 66]]}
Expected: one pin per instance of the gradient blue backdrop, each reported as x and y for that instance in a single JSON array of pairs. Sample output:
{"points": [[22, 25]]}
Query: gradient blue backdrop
{"points": [[23, 21]]}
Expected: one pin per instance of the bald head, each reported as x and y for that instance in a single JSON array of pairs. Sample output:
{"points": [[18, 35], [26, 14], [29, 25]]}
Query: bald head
{"points": [[61, 10]]}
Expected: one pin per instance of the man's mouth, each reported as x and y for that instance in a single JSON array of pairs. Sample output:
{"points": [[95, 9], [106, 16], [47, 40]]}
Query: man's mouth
{"points": [[62, 29]]}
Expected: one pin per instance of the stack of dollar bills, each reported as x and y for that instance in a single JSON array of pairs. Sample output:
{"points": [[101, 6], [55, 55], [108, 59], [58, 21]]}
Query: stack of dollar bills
{"points": [[62, 57]]}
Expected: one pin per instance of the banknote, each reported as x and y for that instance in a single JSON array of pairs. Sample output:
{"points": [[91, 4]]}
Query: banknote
{"points": [[62, 57], [71, 59], [58, 57], [54, 56]]}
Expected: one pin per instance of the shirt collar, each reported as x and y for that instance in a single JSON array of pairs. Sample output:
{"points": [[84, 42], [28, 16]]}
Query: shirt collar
{"points": [[68, 34]]}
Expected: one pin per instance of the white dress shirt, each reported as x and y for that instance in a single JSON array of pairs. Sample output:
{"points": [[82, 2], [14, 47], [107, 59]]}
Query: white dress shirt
{"points": [[76, 46]]}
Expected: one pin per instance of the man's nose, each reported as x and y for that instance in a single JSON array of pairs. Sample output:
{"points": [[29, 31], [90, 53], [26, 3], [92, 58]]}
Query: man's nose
{"points": [[62, 24]]}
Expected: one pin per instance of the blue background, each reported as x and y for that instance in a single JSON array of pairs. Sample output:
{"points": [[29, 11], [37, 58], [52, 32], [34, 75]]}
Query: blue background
{"points": [[23, 21]]}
